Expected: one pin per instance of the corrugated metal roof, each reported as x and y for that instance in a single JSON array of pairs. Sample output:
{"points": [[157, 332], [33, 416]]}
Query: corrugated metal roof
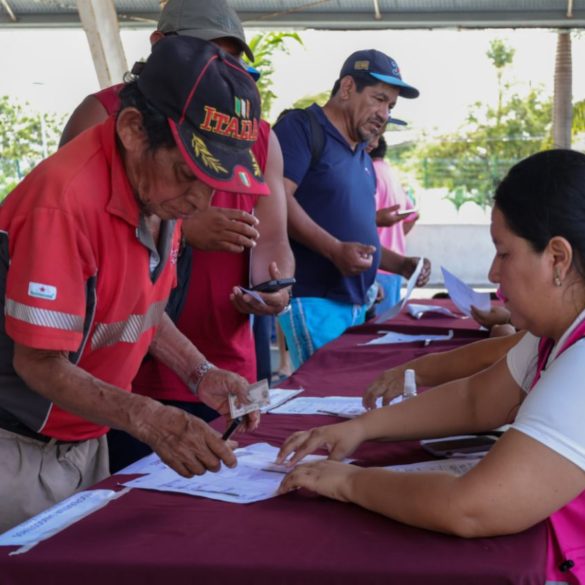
{"points": [[328, 14]]}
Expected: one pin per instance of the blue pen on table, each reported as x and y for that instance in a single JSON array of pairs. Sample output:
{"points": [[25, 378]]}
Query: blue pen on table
{"points": [[232, 428]]}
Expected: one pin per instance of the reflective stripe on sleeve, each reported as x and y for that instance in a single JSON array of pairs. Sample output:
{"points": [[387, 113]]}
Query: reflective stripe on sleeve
{"points": [[43, 317], [129, 331]]}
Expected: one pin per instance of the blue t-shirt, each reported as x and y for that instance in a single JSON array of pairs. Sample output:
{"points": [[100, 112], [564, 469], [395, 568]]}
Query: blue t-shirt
{"points": [[338, 193]]}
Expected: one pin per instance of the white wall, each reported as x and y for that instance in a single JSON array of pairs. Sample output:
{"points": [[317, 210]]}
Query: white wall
{"points": [[465, 250]]}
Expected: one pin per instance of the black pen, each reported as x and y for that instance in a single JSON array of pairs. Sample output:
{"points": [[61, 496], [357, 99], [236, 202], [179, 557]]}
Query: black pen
{"points": [[232, 428]]}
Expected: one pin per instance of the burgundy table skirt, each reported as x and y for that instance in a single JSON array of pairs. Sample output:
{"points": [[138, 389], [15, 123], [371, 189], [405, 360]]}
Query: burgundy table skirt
{"points": [[149, 537]]}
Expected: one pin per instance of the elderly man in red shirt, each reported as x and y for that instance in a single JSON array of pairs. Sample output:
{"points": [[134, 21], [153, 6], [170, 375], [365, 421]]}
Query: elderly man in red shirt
{"points": [[88, 246]]}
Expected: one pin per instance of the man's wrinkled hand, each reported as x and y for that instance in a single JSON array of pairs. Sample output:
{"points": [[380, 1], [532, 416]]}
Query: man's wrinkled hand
{"points": [[218, 229], [214, 389], [184, 442], [217, 384]]}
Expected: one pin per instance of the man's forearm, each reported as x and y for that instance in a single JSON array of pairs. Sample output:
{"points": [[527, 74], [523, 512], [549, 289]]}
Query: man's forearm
{"points": [[392, 262], [305, 231], [272, 251], [175, 350], [53, 376]]}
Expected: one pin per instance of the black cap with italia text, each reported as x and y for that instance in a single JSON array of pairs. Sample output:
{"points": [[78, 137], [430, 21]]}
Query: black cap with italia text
{"points": [[213, 108]]}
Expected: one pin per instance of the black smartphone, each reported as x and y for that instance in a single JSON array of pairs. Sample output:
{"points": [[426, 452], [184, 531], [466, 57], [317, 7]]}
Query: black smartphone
{"points": [[461, 445], [273, 285]]}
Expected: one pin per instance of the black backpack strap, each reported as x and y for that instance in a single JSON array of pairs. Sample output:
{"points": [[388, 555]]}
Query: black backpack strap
{"points": [[317, 137], [316, 132]]}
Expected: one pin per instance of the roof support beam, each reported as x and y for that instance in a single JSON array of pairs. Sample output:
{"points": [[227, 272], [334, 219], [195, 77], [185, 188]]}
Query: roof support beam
{"points": [[100, 23], [8, 9]]}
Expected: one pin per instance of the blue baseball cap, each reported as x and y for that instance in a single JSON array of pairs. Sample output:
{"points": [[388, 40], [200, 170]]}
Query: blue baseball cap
{"points": [[380, 66]]}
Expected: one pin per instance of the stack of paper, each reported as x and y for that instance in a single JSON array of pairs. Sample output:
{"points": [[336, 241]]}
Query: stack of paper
{"points": [[255, 478]]}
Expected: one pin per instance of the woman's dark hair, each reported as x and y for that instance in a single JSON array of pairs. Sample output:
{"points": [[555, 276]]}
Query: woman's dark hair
{"points": [[543, 196], [155, 124], [361, 80], [380, 150]]}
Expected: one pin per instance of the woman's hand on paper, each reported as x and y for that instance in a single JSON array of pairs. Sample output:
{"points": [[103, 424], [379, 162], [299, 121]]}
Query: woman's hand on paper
{"points": [[388, 385], [340, 440], [327, 478]]}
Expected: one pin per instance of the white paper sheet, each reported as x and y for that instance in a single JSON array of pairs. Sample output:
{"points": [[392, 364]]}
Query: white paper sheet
{"points": [[391, 337], [344, 406], [279, 396], [417, 311], [253, 294], [148, 464], [255, 478], [454, 466], [463, 296], [316, 405], [393, 311], [56, 518]]}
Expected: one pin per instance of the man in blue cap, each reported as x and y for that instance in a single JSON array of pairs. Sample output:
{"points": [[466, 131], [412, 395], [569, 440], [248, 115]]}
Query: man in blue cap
{"points": [[331, 205]]}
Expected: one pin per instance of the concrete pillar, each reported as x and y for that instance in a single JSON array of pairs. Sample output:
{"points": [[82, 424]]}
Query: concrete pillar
{"points": [[100, 22], [563, 93]]}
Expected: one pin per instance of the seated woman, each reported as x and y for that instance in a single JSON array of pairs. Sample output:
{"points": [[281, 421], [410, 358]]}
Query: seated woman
{"points": [[536, 470]]}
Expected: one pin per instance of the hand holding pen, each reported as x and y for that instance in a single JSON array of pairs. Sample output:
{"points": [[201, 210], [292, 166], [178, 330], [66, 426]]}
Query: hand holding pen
{"points": [[232, 428]]}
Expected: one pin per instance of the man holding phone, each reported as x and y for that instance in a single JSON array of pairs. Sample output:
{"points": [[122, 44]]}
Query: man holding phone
{"points": [[331, 206], [271, 286]]}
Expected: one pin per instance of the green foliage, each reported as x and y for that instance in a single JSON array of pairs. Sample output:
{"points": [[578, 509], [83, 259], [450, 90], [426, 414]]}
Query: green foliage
{"points": [[500, 54], [264, 45], [25, 137], [472, 161], [579, 117], [317, 98]]}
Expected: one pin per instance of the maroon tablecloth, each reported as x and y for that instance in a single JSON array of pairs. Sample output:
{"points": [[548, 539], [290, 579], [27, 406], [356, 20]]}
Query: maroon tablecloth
{"points": [[149, 537]]}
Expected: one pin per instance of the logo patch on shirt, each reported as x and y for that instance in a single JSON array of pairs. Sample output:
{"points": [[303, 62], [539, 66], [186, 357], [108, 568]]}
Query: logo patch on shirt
{"points": [[42, 291]]}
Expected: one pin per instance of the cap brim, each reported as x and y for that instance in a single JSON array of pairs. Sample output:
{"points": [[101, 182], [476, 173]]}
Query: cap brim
{"points": [[396, 121], [209, 34], [405, 90], [252, 71], [223, 168]]}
